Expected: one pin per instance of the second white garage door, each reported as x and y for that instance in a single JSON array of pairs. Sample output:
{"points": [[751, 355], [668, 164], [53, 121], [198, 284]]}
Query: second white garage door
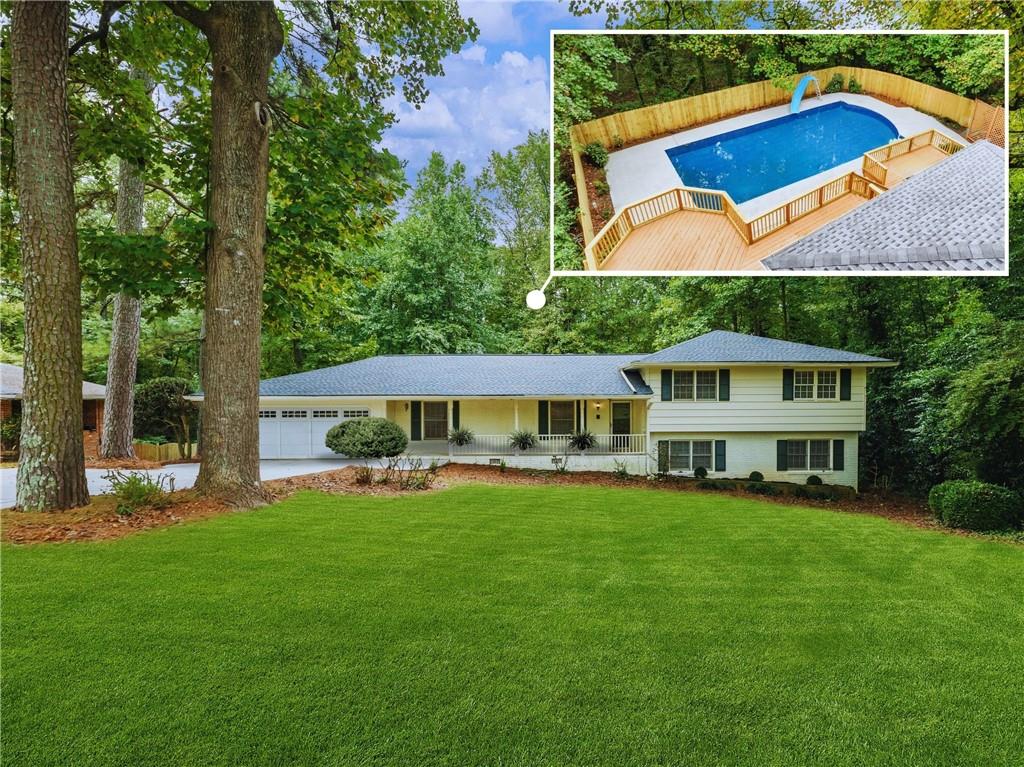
{"points": [[300, 432]]}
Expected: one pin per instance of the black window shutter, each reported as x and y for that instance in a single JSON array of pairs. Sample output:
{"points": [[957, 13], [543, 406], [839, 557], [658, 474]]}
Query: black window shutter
{"points": [[584, 414], [787, 383], [782, 454], [542, 417], [723, 385], [838, 454], [579, 416], [845, 383], [719, 455], [455, 414], [662, 456], [416, 418], [666, 385]]}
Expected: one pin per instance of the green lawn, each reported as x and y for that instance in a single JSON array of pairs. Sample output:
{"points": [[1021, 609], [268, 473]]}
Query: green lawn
{"points": [[516, 625]]}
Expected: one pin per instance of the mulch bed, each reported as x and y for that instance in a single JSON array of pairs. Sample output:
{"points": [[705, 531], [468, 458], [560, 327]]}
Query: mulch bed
{"points": [[100, 520]]}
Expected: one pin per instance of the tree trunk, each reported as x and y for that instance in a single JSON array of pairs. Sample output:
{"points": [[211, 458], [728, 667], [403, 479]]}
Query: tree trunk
{"points": [[124, 336], [51, 465], [244, 39]]}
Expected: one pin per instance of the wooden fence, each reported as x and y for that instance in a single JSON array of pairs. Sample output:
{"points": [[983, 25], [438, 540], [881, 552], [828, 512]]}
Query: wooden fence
{"points": [[874, 167], [672, 116], [166, 452], [987, 122]]}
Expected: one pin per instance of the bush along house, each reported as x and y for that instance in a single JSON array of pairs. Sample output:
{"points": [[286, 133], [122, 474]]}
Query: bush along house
{"points": [[724, 402]]}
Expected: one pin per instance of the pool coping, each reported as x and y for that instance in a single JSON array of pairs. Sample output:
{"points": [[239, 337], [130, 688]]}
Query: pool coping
{"points": [[644, 170]]}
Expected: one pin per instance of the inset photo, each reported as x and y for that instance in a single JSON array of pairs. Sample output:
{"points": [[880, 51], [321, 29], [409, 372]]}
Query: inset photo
{"points": [[778, 153]]}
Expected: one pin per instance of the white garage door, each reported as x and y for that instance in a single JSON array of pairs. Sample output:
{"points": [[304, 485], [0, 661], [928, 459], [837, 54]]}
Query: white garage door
{"points": [[300, 432]]}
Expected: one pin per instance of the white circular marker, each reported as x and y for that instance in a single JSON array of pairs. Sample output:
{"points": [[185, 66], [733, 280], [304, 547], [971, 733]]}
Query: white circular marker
{"points": [[536, 299]]}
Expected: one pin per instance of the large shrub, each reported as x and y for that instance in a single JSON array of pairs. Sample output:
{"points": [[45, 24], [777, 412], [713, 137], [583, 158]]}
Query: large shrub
{"points": [[367, 438], [10, 434], [835, 84], [596, 154], [974, 505], [162, 410]]}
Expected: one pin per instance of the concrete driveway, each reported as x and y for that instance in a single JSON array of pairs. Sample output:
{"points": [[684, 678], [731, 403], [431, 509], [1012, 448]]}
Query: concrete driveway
{"points": [[184, 474]]}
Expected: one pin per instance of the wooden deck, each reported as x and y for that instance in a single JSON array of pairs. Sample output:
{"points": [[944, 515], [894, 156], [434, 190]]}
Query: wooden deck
{"points": [[694, 241], [903, 167]]}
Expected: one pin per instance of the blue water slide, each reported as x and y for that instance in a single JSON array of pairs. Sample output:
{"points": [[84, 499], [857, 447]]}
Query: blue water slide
{"points": [[794, 105]]}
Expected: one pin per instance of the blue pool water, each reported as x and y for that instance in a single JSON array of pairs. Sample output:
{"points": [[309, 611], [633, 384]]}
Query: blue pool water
{"points": [[752, 161]]}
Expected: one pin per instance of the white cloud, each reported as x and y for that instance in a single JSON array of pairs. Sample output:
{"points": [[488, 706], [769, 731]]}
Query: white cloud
{"points": [[476, 53], [497, 22]]}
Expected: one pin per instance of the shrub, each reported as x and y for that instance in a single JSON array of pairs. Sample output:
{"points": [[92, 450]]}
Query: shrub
{"points": [[700, 472], [367, 438], [855, 87], [162, 410], [710, 484], [10, 434], [596, 154], [800, 492], [835, 84], [762, 488], [621, 471], [814, 479], [522, 440], [582, 441], [601, 187], [979, 506], [756, 476], [937, 497], [460, 437], [137, 490], [617, 142]]}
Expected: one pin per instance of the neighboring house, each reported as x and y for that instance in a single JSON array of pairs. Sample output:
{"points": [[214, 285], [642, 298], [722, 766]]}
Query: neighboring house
{"points": [[949, 217], [12, 382], [729, 402]]}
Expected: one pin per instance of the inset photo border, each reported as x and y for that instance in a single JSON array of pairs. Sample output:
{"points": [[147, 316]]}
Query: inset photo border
{"points": [[761, 153]]}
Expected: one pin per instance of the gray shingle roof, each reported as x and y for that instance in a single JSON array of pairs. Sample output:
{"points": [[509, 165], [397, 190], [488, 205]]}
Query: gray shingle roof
{"points": [[12, 384], [947, 217], [464, 375], [724, 346]]}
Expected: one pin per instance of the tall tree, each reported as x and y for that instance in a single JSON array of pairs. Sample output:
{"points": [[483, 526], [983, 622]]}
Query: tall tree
{"points": [[118, 414], [244, 40], [51, 465]]}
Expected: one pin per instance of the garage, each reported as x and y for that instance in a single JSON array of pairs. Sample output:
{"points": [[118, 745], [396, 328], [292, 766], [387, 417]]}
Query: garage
{"points": [[298, 432]]}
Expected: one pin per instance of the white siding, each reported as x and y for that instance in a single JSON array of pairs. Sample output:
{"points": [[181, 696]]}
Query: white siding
{"points": [[755, 404], [746, 452]]}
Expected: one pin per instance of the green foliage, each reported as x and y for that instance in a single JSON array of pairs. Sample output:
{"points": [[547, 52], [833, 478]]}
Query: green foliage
{"points": [[700, 472], [10, 434], [596, 154], [161, 409], [617, 142], [582, 441], [585, 65], [854, 85], [756, 476], [601, 187], [835, 84], [460, 437], [137, 490], [522, 440], [814, 479], [367, 438], [621, 470], [762, 488], [978, 506]]}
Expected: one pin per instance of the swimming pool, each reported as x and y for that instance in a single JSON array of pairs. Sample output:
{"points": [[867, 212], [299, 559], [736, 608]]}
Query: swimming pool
{"points": [[758, 159]]}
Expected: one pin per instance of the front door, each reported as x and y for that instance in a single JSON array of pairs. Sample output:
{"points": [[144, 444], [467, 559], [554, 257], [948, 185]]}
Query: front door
{"points": [[435, 420], [622, 425]]}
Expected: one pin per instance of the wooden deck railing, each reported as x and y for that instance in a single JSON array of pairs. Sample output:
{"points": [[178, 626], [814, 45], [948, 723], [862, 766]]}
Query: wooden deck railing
{"points": [[874, 167], [865, 184], [713, 201]]}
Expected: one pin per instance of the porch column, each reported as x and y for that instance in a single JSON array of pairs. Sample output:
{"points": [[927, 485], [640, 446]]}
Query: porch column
{"points": [[515, 413]]}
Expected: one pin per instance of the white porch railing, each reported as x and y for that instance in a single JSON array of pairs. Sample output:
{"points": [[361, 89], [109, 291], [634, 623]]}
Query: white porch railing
{"points": [[552, 444]]}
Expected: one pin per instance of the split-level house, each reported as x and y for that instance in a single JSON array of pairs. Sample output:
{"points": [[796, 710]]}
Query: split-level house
{"points": [[727, 402]]}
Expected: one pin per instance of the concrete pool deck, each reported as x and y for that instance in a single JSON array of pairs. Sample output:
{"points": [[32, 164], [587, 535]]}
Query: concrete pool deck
{"points": [[645, 170]]}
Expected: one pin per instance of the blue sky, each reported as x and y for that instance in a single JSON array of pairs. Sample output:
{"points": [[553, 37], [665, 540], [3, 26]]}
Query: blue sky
{"points": [[494, 91]]}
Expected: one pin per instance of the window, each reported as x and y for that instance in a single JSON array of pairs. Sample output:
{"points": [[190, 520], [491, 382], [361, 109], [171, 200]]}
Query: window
{"points": [[268, 414], [815, 384], [695, 385], [684, 455], [325, 413], [809, 454], [682, 384], [294, 413], [803, 384], [435, 420], [827, 384], [561, 417], [357, 413]]}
